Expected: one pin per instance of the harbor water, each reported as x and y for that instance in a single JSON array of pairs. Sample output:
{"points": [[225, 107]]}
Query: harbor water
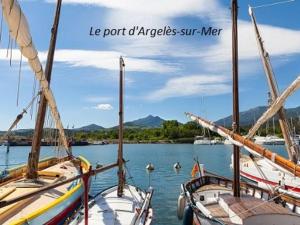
{"points": [[164, 179]]}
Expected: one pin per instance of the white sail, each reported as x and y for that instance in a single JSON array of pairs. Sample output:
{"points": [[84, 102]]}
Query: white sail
{"points": [[276, 105], [19, 30]]}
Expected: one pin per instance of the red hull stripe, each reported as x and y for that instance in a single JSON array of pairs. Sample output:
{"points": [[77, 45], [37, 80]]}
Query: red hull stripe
{"points": [[257, 179], [60, 218]]}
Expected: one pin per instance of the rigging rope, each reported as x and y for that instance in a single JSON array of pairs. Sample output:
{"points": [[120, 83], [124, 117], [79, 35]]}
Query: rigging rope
{"points": [[272, 4], [1, 24], [19, 79]]}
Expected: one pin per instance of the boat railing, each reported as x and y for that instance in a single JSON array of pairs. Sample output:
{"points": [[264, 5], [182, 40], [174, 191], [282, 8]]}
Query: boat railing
{"points": [[144, 209], [251, 189]]}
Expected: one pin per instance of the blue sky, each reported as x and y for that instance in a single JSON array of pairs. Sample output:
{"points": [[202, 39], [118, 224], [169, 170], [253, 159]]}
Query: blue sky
{"points": [[165, 76]]}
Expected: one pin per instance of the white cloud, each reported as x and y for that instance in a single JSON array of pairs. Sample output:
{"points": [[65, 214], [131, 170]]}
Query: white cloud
{"points": [[284, 43], [203, 85], [162, 8], [101, 60], [105, 107]]}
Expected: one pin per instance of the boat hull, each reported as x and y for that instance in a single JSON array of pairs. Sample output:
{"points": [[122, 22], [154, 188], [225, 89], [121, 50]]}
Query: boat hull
{"points": [[107, 208], [210, 198], [53, 212]]}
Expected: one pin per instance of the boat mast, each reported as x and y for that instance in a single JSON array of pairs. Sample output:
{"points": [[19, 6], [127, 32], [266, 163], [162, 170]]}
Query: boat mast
{"points": [[121, 175], [34, 156], [235, 91], [291, 146]]}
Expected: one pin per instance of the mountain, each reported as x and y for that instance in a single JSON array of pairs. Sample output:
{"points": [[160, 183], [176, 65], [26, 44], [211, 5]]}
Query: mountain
{"points": [[146, 122], [91, 127], [249, 116]]}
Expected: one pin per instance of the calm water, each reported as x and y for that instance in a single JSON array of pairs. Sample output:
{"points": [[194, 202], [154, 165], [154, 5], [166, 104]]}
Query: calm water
{"points": [[164, 179]]}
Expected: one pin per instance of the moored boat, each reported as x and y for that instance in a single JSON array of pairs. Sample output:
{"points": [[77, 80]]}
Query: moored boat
{"points": [[122, 204], [23, 198], [51, 207], [201, 140], [212, 199], [209, 199]]}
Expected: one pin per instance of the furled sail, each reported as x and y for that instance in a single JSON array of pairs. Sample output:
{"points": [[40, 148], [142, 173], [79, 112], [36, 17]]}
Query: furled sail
{"points": [[291, 146], [249, 145], [275, 107], [19, 30]]}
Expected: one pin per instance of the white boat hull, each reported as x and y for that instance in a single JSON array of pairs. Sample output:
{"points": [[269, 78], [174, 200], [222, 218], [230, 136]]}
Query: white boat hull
{"points": [[133, 208]]}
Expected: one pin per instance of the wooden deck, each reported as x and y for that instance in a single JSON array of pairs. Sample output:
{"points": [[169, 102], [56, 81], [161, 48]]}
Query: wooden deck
{"points": [[219, 213], [247, 206], [224, 207], [22, 186]]}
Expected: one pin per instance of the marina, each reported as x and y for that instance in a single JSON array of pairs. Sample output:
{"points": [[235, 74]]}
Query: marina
{"points": [[186, 167]]}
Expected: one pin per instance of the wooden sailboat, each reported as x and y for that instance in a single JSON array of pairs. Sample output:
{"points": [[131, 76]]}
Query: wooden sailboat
{"points": [[212, 199], [52, 206], [256, 168], [122, 204]]}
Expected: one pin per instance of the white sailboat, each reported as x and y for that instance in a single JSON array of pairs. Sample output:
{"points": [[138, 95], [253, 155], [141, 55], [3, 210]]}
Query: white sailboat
{"points": [[122, 204], [202, 140], [269, 140]]}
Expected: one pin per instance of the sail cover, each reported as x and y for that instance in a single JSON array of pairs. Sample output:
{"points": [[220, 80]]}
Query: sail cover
{"points": [[19, 30]]}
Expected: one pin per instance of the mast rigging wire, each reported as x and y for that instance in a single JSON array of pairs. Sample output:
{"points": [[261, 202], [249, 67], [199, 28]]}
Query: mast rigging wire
{"points": [[1, 24], [19, 79], [272, 4]]}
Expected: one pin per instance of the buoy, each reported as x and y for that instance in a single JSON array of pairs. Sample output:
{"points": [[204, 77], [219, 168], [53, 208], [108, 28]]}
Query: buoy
{"points": [[188, 215], [180, 206], [150, 167], [177, 166]]}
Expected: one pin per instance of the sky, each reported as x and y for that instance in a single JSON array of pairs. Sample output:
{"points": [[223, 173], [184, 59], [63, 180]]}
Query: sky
{"points": [[164, 75]]}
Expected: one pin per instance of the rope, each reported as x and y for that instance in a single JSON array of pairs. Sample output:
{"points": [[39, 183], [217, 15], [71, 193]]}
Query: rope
{"points": [[132, 180], [33, 94], [12, 164], [272, 4], [1, 24], [7, 50], [19, 79]]}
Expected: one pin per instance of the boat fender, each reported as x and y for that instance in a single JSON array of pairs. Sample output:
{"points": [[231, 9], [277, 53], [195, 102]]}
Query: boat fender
{"points": [[180, 206], [188, 216]]}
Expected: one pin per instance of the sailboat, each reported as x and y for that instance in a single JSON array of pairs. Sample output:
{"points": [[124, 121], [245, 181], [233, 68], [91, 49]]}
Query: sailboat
{"points": [[255, 168], [50, 207], [202, 140], [213, 199], [122, 204]]}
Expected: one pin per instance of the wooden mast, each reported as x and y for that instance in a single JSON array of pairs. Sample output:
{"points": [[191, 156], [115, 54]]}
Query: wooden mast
{"points": [[291, 147], [235, 91], [121, 175], [33, 158]]}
